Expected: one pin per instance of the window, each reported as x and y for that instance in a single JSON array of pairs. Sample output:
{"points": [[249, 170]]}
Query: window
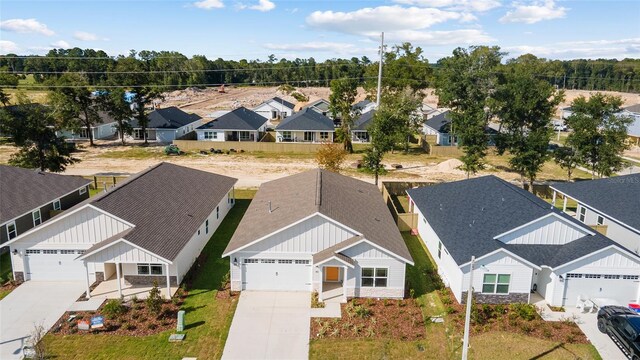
{"points": [[37, 219], [496, 283], [209, 135], [31, 251], [440, 250], [67, 252], [198, 231], [206, 226], [143, 269], [56, 205], [583, 213], [283, 114], [244, 135], [599, 220], [12, 231], [80, 252], [82, 191], [612, 277], [574, 276], [50, 252], [250, 261], [274, 114], [267, 261], [286, 135], [592, 276], [217, 212], [285, 261], [374, 277], [324, 135], [302, 262], [309, 136], [156, 269], [150, 269], [630, 277]]}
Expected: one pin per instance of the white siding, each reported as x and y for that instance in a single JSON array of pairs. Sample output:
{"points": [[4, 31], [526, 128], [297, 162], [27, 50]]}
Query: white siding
{"points": [[550, 230], [610, 261], [219, 136], [104, 130], [366, 251], [122, 252], [615, 231], [500, 263], [265, 110], [298, 136], [395, 280], [165, 136]]}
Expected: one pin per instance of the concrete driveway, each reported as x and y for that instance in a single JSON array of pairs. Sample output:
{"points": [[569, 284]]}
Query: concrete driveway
{"points": [[607, 349], [270, 325], [34, 302]]}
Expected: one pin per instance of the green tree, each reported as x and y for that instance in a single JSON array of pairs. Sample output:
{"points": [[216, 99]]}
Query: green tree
{"points": [[599, 133], [143, 97], [32, 128], [567, 159], [403, 67], [4, 98], [525, 106], [114, 104], [330, 157], [343, 95], [465, 83]]}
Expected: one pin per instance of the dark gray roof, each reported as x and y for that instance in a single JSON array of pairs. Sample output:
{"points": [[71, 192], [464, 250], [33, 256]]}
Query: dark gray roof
{"points": [[283, 102], [633, 108], [239, 119], [618, 197], [331, 251], [307, 119], [361, 104], [440, 122], [168, 118], [23, 190], [320, 104], [468, 214], [364, 121], [167, 204], [351, 202]]}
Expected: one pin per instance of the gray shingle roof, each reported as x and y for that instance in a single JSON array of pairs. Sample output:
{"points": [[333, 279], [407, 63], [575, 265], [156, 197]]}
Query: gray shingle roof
{"points": [[167, 204], [364, 121], [23, 190], [283, 102], [618, 197], [349, 201], [168, 118], [307, 119], [331, 251], [468, 214], [320, 104], [361, 104], [440, 122], [239, 119]]}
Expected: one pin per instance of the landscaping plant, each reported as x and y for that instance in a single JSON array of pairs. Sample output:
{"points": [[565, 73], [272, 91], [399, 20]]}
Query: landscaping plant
{"points": [[154, 300]]}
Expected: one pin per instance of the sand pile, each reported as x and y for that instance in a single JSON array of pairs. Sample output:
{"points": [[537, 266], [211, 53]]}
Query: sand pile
{"points": [[449, 165]]}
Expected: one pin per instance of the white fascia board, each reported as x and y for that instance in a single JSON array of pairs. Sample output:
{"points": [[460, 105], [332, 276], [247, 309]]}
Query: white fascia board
{"points": [[587, 229], [84, 256]]}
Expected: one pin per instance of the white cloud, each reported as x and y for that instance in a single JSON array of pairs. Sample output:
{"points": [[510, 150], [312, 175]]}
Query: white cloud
{"points": [[26, 26], [463, 5], [593, 49], [60, 44], [332, 47], [263, 5], [209, 4], [535, 12], [7, 47], [85, 36], [435, 38]]}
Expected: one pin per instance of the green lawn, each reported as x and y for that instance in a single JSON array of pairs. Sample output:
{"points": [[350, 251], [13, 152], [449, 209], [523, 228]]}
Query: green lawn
{"points": [[207, 318], [5, 272]]}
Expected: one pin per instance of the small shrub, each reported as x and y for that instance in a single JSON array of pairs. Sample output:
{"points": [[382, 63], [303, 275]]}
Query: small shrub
{"points": [[369, 302], [361, 311], [135, 315], [526, 327], [113, 309], [315, 302], [524, 311], [128, 326], [570, 338], [134, 299], [500, 309], [299, 96], [154, 301], [385, 302], [412, 293], [446, 300], [225, 280], [370, 332], [401, 303], [546, 333], [449, 310], [152, 326]]}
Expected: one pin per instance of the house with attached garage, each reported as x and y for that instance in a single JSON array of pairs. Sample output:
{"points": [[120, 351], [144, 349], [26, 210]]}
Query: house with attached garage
{"points": [[307, 126], [525, 249], [28, 198], [166, 125], [612, 205], [274, 109], [241, 124], [330, 233], [150, 227]]}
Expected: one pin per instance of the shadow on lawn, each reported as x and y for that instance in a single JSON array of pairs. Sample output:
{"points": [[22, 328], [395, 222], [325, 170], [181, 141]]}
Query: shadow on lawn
{"points": [[552, 350], [193, 325]]}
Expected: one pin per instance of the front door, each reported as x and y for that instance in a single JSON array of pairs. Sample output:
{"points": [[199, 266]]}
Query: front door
{"points": [[331, 273]]}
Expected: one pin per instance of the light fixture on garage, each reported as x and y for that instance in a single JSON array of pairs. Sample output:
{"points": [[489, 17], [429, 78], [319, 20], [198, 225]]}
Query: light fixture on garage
{"points": [[235, 261], [15, 251]]}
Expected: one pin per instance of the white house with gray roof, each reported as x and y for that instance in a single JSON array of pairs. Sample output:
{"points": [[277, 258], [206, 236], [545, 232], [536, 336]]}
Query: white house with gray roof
{"points": [[240, 124], [319, 231], [275, 109], [524, 248], [130, 234], [305, 126]]}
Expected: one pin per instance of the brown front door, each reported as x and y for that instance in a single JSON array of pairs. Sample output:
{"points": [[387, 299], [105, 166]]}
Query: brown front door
{"points": [[331, 273]]}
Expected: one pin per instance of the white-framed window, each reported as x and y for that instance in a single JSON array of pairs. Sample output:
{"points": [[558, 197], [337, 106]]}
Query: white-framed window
{"points": [[12, 230], [217, 212], [309, 136], [583, 214], [208, 135], [32, 251], [286, 135], [82, 191], [574, 276], [324, 135], [630, 277], [81, 252], [150, 269], [50, 252], [57, 205], [302, 262], [600, 220], [612, 277], [244, 135], [285, 261], [283, 114], [440, 250], [250, 261], [67, 252], [374, 277], [496, 283], [37, 219], [206, 226], [274, 114], [592, 276], [267, 261]]}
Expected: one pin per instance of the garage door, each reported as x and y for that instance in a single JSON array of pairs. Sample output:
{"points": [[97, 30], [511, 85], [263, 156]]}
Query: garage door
{"points": [[276, 274], [621, 288], [54, 265]]}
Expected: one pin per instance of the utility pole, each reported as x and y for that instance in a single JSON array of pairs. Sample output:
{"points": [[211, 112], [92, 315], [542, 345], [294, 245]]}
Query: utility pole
{"points": [[380, 69], [467, 319]]}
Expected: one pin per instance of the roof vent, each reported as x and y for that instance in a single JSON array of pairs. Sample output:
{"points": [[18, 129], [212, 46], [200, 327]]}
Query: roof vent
{"points": [[270, 210]]}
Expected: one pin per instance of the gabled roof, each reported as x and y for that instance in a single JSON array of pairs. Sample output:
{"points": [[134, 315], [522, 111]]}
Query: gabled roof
{"points": [[361, 104], [617, 197], [320, 104], [353, 203], [440, 122], [364, 121], [281, 101], [239, 119], [633, 108], [24, 190], [307, 119], [166, 203], [467, 215], [334, 251], [168, 118]]}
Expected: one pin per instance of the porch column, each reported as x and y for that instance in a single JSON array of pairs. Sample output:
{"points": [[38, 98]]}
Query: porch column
{"points": [[321, 280], [553, 199], [564, 204], [118, 279], [86, 269], [344, 282], [166, 269]]}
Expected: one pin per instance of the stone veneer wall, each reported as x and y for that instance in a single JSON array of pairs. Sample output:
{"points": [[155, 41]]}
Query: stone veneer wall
{"points": [[19, 277], [497, 299], [99, 276], [148, 280], [373, 292]]}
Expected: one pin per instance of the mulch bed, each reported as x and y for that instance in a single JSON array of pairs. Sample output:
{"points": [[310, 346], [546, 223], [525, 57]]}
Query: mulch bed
{"points": [[520, 318], [226, 293], [370, 318], [8, 286]]}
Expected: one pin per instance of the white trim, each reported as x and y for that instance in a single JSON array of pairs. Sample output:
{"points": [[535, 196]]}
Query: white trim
{"points": [[566, 221], [15, 229], [507, 252], [374, 277], [59, 204], [612, 246], [33, 217], [82, 190], [85, 255], [333, 257], [377, 247], [597, 211]]}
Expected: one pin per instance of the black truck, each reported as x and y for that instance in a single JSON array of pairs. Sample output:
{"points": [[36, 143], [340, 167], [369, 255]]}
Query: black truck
{"points": [[623, 326]]}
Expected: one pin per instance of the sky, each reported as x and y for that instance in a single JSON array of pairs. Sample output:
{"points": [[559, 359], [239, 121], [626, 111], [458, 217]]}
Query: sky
{"points": [[254, 29]]}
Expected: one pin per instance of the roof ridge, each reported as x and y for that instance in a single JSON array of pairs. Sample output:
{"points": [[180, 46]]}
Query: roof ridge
{"points": [[126, 182], [517, 191], [319, 189]]}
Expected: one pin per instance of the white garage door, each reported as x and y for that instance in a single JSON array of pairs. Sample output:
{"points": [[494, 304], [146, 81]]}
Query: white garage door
{"points": [[621, 288], [53, 265], [276, 274]]}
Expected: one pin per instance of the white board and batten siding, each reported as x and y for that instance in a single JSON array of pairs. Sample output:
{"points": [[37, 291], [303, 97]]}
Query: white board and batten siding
{"points": [[122, 252], [521, 274], [615, 231], [368, 256], [549, 230], [212, 135]]}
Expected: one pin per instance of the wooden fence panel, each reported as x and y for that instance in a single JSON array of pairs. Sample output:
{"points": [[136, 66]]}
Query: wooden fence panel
{"points": [[271, 147]]}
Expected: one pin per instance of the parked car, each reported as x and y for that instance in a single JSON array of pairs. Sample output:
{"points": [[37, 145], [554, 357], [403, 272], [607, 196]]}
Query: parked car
{"points": [[560, 127], [623, 326]]}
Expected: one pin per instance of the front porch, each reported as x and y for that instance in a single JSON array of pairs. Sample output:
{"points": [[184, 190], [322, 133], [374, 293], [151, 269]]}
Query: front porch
{"points": [[108, 289], [332, 285]]}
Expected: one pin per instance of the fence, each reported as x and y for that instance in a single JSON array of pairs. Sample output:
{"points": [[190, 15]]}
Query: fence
{"points": [[406, 221], [100, 181], [270, 147]]}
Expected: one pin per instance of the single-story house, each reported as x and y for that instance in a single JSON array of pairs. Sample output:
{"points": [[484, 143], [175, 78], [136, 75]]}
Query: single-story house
{"points": [[525, 249], [275, 109], [28, 198], [565, 112], [611, 204], [429, 111], [320, 106], [364, 106], [633, 131], [319, 231], [150, 227], [306, 125], [440, 125], [166, 125], [241, 124], [104, 129], [359, 130]]}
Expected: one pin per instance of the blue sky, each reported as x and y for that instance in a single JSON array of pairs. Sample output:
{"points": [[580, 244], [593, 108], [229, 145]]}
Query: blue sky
{"points": [[324, 29]]}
